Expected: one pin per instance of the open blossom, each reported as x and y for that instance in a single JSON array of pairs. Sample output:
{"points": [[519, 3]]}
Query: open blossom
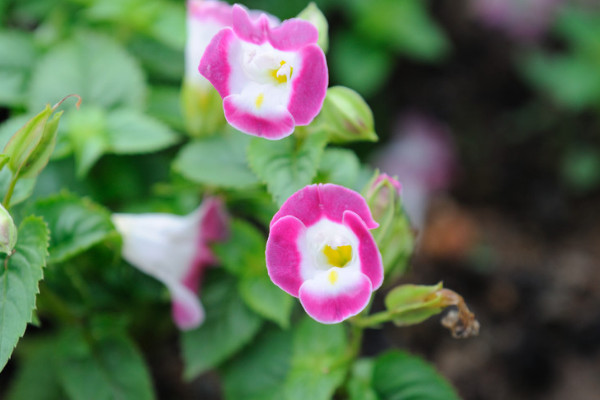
{"points": [[174, 249], [320, 250], [271, 78]]}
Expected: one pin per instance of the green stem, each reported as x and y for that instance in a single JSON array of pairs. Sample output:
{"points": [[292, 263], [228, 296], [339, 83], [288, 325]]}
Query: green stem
{"points": [[374, 319], [9, 193]]}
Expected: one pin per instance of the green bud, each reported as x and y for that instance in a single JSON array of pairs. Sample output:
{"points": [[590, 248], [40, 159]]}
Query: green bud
{"points": [[313, 15], [346, 116], [8, 232], [394, 236], [202, 109]]}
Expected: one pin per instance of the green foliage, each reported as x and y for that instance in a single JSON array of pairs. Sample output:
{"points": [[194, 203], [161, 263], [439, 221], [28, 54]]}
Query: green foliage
{"points": [[360, 386], [339, 166], [229, 325], [92, 65], [286, 165], [313, 15], [23, 188], [17, 54], [244, 255], [412, 304], [102, 365], [259, 372], [75, 224], [218, 160], [19, 277], [398, 376]]}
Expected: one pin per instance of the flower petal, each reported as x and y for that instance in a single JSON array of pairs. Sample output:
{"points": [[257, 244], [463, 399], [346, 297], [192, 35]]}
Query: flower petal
{"points": [[253, 31], [293, 34], [214, 64], [370, 259], [283, 256], [330, 300], [274, 123], [186, 309], [309, 87], [313, 202]]}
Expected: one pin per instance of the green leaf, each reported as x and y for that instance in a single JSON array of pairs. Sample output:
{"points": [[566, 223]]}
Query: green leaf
{"points": [[219, 160], [317, 362], [37, 363], [102, 366], [360, 383], [399, 376], [17, 56], [259, 372], [95, 67], [86, 130], [339, 166], [23, 188], [405, 25], [130, 132], [286, 165], [19, 279], [229, 325], [164, 103], [76, 224]]}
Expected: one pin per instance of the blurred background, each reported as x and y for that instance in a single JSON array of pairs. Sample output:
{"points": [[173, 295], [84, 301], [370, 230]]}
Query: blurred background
{"points": [[487, 110]]}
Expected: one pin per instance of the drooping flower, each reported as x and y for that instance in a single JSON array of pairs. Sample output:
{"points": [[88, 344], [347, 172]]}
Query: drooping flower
{"points": [[320, 250], [271, 78], [174, 249]]}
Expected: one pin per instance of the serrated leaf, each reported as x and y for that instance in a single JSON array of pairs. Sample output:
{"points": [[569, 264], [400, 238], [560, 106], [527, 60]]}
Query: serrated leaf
{"points": [[131, 132], [317, 369], [76, 224], [102, 367], [259, 372], [95, 67], [339, 166], [286, 165], [244, 255], [37, 363], [219, 160], [17, 56], [398, 375], [229, 325], [19, 279]]}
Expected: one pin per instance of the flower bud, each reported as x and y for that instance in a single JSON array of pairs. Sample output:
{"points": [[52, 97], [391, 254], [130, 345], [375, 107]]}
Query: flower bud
{"points": [[346, 116], [394, 235], [8, 232], [313, 15]]}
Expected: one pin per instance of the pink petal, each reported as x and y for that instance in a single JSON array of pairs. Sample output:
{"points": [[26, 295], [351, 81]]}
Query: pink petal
{"points": [[214, 64], [218, 11], [283, 256], [332, 303], [310, 86], [248, 30], [313, 202], [370, 259], [186, 309], [293, 34], [275, 126], [214, 226]]}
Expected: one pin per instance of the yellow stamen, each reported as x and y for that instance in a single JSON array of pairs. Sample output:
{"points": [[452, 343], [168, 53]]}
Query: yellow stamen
{"points": [[333, 276], [338, 257], [283, 78], [259, 100]]}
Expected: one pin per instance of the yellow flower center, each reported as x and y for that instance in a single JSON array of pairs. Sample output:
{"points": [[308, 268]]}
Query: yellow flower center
{"points": [[333, 276], [259, 100], [283, 73], [338, 257]]}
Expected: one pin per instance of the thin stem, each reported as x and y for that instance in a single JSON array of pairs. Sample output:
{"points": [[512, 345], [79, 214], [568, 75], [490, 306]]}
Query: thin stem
{"points": [[9, 193]]}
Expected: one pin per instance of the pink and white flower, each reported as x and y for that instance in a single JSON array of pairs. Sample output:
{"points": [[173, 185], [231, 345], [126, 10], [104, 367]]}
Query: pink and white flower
{"points": [[320, 250], [174, 249], [271, 78]]}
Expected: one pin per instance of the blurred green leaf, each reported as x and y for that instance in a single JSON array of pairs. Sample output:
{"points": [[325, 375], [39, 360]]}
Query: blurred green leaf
{"points": [[581, 168], [244, 255], [23, 189], [76, 224], [219, 160], [93, 66], [404, 25], [17, 55], [286, 165], [259, 372], [37, 376], [317, 369], [398, 375], [130, 132], [360, 385], [87, 133], [229, 325], [102, 366], [19, 277], [339, 166], [164, 103]]}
